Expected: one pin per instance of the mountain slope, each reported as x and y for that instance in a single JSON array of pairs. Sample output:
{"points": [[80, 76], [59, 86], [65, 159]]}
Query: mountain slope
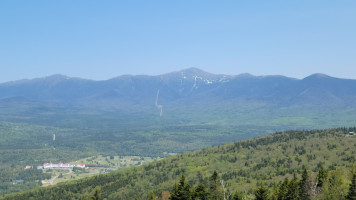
{"points": [[269, 159]]}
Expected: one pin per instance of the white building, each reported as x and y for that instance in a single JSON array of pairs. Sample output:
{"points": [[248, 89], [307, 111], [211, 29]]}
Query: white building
{"points": [[60, 165], [81, 165]]}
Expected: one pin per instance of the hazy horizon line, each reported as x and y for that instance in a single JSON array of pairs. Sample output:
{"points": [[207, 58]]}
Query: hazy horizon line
{"points": [[166, 73]]}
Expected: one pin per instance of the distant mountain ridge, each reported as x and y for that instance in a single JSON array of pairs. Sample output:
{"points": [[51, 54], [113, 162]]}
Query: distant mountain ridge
{"points": [[189, 87]]}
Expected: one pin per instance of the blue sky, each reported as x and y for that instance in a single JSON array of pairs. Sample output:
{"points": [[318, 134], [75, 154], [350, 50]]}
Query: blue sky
{"points": [[103, 39]]}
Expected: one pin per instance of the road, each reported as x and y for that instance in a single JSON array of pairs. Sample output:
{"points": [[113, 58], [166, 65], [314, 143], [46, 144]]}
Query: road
{"points": [[54, 178]]}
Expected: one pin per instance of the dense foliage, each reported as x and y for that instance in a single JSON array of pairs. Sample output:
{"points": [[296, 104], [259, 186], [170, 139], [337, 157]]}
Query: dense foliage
{"points": [[322, 158], [290, 189]]}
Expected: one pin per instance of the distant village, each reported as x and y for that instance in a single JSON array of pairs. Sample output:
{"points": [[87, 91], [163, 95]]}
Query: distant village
{"points": [[60, 165]]}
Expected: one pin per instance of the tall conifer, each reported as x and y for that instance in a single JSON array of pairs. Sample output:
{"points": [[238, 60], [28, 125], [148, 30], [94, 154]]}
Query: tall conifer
{"points": [[322, 176], [200, 192], [182, 190], [261, 193], [215, 190], [304, 186], [293, 189], [352, 191]]}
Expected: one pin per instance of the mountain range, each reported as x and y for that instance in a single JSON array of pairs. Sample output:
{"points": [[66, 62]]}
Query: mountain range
{"points": [[183, 88]]}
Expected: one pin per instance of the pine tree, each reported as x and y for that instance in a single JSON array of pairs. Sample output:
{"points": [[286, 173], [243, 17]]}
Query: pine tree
{"points": [[174, 193], [293, 189], [215, 190], [200, 192], [304, 186], [352, 191], [182, 190], [322, 176], [261, 193], [282, 191]]}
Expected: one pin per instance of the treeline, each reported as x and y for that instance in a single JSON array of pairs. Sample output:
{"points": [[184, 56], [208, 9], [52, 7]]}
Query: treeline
{"points": [[214, 190], [306, 188]]}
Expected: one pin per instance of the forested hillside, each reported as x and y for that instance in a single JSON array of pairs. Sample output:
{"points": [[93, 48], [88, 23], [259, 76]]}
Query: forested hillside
{"points": [[242, 166], [24, 144]]}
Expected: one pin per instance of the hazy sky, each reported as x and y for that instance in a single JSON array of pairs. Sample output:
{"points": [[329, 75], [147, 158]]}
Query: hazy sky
{"points": [[104, 39]]}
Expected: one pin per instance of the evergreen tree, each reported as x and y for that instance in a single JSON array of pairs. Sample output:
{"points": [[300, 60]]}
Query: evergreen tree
{"points": [[322, 176], [282, 191], [200, 192], [304, 186], [174, 193], [293, 189], [215, 190], [182, 191], [352, 191], [261, 193]]}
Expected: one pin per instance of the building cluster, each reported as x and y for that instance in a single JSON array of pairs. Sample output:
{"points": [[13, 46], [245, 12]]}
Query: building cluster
{"points": [[60, 165]]}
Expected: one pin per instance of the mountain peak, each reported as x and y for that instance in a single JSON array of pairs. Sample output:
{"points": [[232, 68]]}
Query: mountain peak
{"points": [[60, 77], [245, 75], [192, 71], [317, 76], [57, 76], [195, 74]]}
